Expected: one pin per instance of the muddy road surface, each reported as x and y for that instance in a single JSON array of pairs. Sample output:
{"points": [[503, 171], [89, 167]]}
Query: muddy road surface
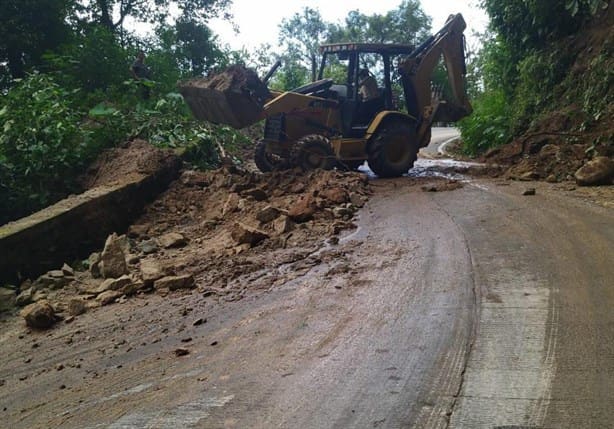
{"points": [[473, 307]]}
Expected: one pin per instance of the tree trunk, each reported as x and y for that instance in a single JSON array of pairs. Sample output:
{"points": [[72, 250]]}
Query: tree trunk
{"points": [[105, 14], [15, 63]]}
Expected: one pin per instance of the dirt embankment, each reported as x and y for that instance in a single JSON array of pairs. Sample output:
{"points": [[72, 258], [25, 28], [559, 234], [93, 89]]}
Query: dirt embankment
{"points": [[580, 126]]}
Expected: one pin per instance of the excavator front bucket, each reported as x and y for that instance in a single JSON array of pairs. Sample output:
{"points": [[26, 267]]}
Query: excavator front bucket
{"points": [[233, 97]]}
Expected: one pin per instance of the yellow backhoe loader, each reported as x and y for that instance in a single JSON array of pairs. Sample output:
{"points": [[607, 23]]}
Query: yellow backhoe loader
{"points": [[335, 121]]}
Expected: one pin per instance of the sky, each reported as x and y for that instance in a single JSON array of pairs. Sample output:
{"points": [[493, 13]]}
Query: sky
{"points": [[258, 20]]}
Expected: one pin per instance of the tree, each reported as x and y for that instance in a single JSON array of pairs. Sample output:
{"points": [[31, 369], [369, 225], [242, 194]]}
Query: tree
{"points": [[302, 36], [113, 13], [406, 24], [28, 28]]}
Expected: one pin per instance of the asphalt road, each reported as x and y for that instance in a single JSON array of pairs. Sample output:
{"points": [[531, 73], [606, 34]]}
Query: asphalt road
{"points": [[473, 308]]}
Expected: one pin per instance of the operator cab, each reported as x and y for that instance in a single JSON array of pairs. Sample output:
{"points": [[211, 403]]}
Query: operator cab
{"points": [[340, 79]]}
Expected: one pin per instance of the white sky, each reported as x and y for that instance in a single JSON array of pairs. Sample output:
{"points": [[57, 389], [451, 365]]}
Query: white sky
{"points": [[258, 20]]}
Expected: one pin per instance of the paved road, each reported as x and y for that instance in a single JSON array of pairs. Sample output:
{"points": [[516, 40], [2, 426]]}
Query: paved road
{"points": [[474, 308]]}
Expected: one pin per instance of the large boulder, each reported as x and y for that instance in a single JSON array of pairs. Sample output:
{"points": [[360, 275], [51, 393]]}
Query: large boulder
{"points": [[113, 258], [39, 315], [598, 171]]}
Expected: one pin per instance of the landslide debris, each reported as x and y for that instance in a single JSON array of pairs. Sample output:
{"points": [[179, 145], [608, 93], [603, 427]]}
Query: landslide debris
{"points": [[221, 233]]}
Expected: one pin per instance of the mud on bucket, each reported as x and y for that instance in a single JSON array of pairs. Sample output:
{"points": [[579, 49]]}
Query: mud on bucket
{"points": [[233, 97]]}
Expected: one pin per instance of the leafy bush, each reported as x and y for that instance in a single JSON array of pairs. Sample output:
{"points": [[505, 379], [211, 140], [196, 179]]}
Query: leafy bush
{"points": [[41, 144], [489, 125]]}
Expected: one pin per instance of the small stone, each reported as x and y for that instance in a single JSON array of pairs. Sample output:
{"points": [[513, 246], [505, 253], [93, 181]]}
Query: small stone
{"points": [[76, 307], [132, 288], [148, 246], [108, 297], [175, 282], [136, 231], [113, 284], [25, 297], [7, 299], [69, 319], [39, 315], [283, 224], [181, 352], [199, 321], [133, 259], [151, 270], [336, 195], [56, 274], [94, 264], [245, 234], [529, 191], [68, 271], [113, 257], [303, 210], [172, 239], [59, 367], [267, 214], [257, 194], [552, 179], [357, 199], [231, 205]]}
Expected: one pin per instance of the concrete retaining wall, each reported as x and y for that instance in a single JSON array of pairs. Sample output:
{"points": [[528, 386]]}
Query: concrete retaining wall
{"points": [[76, 226]]}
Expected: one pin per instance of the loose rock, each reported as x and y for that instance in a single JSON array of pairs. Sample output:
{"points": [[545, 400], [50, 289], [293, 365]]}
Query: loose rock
{"points": [[150, 270], [283, 224], [175, 282], [68, 271], [76, 307], [303, 210], [39, 315], [113, 258], [245, 234], [599, 171], [267, 214], [108, 297], [25, 297], [7, 299], [172, 239]]}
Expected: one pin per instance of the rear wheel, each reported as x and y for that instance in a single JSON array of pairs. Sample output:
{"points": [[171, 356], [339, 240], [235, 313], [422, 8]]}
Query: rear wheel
{"points": [[393, 150], [314, 151]]}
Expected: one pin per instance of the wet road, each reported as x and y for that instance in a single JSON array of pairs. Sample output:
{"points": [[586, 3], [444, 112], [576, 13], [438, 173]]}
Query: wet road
{"points": [[475, 308]]}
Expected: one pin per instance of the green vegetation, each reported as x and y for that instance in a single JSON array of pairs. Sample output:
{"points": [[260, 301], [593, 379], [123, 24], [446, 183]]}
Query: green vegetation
{"points": [[67, 92], [526, 67]]}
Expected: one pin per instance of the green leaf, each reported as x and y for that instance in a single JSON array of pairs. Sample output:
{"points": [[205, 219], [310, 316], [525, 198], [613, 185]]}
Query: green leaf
{"points": [[100, 110]]}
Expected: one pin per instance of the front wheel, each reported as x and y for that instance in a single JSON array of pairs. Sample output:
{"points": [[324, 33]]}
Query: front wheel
{"points": [[393, 150], [314, 151]]}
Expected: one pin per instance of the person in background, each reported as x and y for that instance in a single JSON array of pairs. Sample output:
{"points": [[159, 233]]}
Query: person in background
{"points": [[141, 72]]}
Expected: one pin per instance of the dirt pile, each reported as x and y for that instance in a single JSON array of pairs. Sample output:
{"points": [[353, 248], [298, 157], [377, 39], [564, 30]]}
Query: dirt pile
{"points": [[234, 97], [133, 160], [221, 232]]}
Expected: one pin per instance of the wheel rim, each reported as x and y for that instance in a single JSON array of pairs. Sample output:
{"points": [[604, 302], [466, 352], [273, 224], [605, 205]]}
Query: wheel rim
{"points": [[314, 158]]}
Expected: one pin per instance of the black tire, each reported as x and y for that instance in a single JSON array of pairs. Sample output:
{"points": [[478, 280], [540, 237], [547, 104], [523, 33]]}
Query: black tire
{"points": [[314, 151], [264, 161], [393, 150]]}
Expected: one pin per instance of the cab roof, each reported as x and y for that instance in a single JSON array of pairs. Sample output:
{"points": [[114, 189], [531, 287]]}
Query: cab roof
{"points": [[377, 48]]}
